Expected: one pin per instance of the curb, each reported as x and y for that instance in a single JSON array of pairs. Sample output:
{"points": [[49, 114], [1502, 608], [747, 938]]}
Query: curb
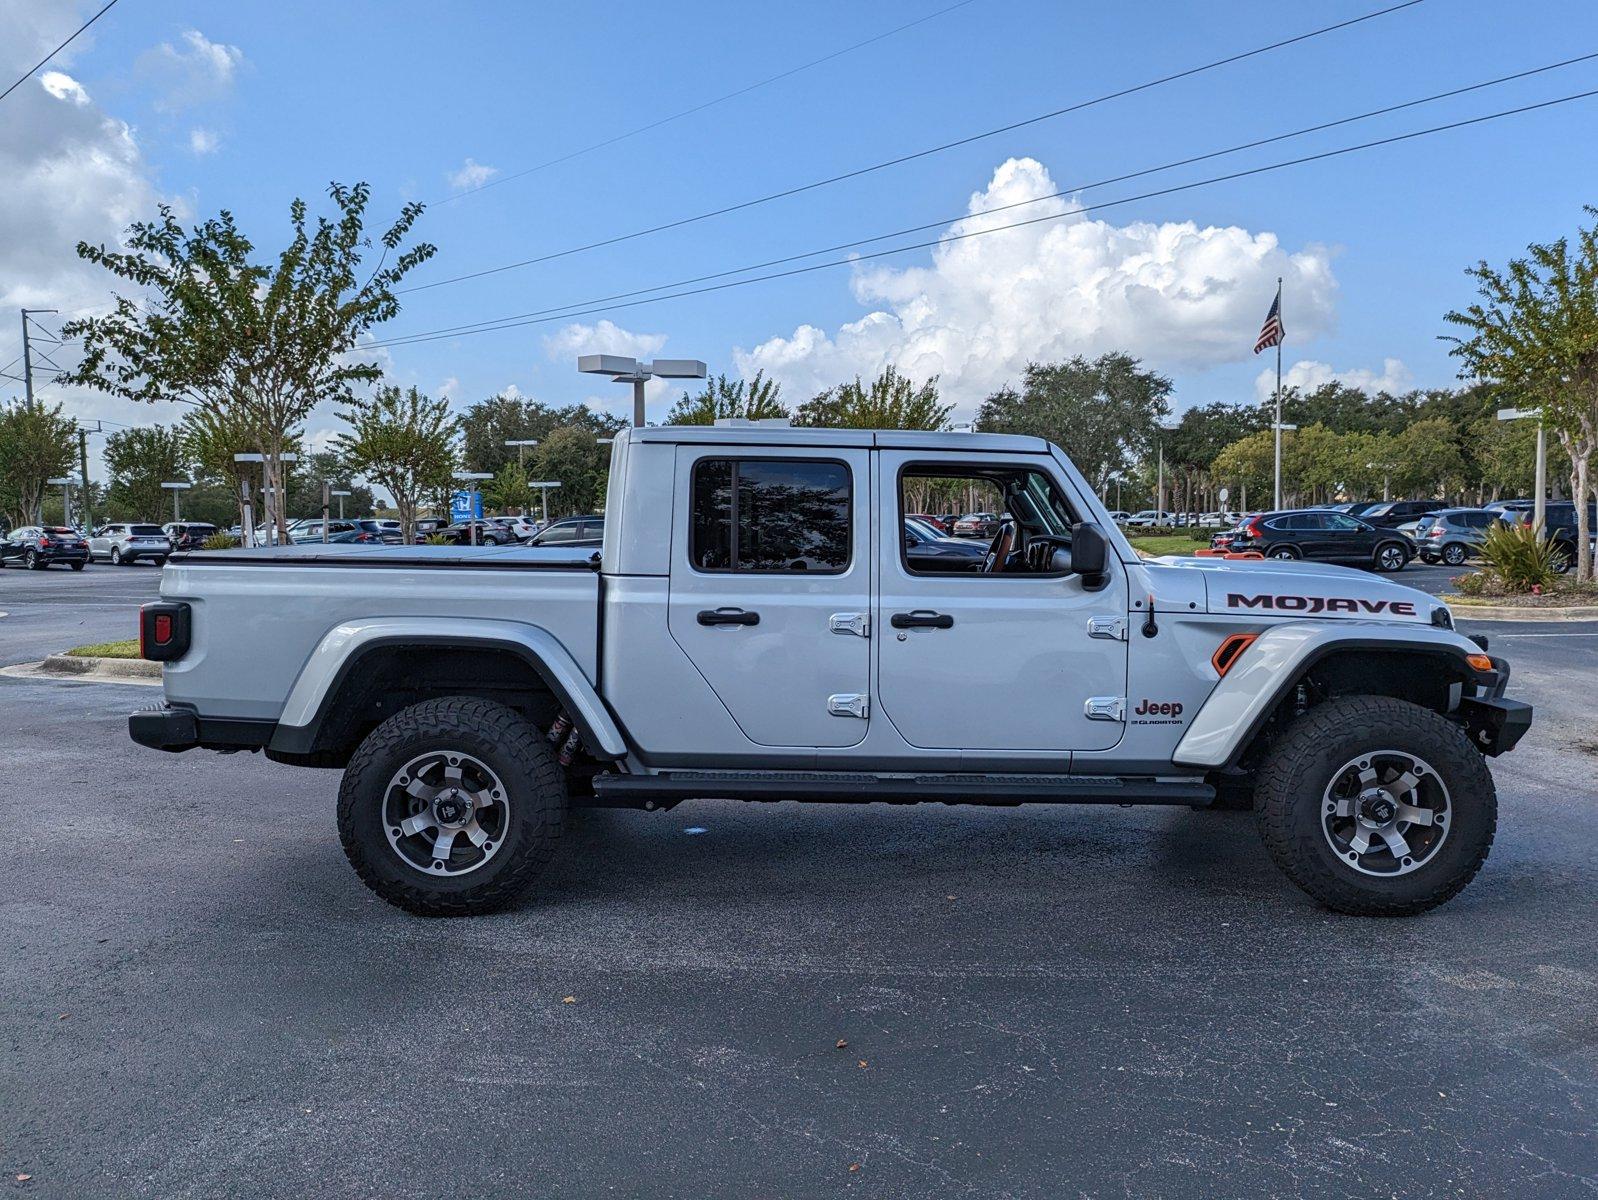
{"points": [[1495, 612], [112, 668]]}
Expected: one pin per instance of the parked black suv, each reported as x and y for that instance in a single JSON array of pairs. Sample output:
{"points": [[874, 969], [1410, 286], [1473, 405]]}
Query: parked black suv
{"points": [[37, 546], [571, 531], [1560, 522], [1321, 536]]}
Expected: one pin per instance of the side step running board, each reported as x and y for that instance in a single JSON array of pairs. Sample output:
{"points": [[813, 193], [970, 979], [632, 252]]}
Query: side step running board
{"points": [[671, 787]]}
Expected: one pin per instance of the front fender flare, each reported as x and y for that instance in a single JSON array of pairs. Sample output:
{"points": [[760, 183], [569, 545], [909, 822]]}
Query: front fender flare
{"points": [[341, 648], [1247, 695]]}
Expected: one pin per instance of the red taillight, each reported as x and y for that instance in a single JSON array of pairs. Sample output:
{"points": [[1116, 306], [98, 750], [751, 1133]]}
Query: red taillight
{"points": [[163, 630], [1435, 533], [44, 542], [1254, 528]]}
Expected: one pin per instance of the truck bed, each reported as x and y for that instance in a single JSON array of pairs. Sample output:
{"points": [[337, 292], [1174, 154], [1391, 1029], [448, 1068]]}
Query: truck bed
{"points": [[258, 615]]}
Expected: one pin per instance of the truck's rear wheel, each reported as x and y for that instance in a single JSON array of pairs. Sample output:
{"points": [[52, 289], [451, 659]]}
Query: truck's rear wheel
{"points": [[1376, 807], [452, 806]]}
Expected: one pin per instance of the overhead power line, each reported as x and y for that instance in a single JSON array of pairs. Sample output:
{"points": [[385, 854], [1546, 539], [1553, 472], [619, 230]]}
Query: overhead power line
{"points": [[567, 314], [919, 154], [1055, 195], [56, 51], [688, 112]]}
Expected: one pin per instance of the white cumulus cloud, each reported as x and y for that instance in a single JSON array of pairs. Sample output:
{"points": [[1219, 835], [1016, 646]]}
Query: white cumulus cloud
{"points": [[194, 71], [203, 141], [63, 87], [1174, 294], [602, 337], [471, 174], [1306, 375]]}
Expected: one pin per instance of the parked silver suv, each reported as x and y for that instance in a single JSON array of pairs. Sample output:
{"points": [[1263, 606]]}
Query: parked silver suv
{"points": [[127, 543], [1453, 535]]}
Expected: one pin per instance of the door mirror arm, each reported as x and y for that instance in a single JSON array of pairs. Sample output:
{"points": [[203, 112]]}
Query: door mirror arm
{"points": [[1089, 554]]}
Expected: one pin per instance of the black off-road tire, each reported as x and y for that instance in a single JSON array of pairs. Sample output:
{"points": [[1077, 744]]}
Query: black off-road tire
{"points": [[1296, 772], [501, 738]]}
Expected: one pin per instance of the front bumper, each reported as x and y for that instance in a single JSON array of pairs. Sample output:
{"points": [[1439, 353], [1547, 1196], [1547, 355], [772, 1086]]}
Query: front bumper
{"points": [[1495, 724]]}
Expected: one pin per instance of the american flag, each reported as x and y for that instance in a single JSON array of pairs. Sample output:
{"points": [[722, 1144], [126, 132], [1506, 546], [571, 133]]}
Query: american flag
{"points": [[1271, 332]]}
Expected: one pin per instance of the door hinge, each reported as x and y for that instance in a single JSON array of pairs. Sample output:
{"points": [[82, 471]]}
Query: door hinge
{"points": [[1110, 628], [1105, 708], [849, 704], [856, 623]]}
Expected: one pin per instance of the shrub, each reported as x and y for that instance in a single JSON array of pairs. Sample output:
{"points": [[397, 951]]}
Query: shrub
{"points": [[438, 539], [220, 541], [1473, 584], [1519, 556]]}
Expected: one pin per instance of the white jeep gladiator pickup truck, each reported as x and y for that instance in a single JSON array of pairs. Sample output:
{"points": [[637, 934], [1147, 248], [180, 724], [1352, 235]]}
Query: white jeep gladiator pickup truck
{"points": [[754, 627]]}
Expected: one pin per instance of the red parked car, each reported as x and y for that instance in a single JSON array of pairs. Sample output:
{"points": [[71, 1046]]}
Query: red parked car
{"points": [[938, 523]]}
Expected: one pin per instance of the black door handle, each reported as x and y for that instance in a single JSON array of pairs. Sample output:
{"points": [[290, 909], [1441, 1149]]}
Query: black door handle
{"points": [[728, 616], [921, 620]]}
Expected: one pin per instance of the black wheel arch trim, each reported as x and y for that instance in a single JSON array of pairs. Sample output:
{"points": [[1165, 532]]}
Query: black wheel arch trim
{"points": [[1490, 684], [302, 739]]}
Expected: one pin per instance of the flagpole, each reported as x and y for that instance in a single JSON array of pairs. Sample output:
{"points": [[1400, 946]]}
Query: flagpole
{"points": [[1278, 504]]}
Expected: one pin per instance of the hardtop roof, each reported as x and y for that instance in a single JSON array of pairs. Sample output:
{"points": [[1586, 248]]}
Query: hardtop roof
{"points": [[881, 439]]}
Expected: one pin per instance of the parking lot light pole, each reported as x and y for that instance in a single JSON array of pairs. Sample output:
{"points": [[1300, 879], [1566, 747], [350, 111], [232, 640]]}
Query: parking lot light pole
{"points": [[340, 493], [521, 445], [65, 484], [543, 486], [468, 478], [1281, 427], [177, 488], [1539, 503], [630, 370]]}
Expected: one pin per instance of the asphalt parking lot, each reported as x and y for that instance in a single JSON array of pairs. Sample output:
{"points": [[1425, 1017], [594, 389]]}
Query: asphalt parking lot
{"points": [[199, 998]]}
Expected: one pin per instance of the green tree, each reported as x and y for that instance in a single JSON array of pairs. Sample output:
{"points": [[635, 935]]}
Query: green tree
{"points": [[265, 343], [404, 442], [575, 460], [211, 438], [509, 490], [1533, 337], [489, 424], [1430, 464], [36, 443], [305, 486], [1248, 464], [138, 461], [1106, 413], [890, 402], [757, 399]]}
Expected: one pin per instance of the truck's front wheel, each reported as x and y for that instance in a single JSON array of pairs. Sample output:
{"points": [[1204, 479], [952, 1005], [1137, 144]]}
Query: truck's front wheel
{"points": [[1376, 807], [452, 807]]}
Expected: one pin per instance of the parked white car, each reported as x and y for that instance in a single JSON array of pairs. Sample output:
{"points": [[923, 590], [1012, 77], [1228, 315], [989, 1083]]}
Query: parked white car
{"points": [[1149, 517]]}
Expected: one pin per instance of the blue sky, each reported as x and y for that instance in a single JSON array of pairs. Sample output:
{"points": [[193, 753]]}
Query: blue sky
{"points": [[247, 105]]}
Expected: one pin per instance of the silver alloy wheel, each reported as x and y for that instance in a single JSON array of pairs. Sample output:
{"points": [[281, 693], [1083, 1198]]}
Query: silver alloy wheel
{"points": [[445, 812], [1385, 813], [1453, 554], [116, 556], [1391, 557], [1283, 553]]}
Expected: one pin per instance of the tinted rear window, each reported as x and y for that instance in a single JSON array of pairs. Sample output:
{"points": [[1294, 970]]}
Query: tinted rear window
{"points": [[782, 514], [146, 531]]}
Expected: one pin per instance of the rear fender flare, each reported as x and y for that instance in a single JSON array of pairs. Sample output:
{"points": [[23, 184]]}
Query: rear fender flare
{"points": [[1246, 696], [342, 647]]}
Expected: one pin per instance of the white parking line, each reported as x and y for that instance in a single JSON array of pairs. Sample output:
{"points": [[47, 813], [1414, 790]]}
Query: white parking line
{"points": [[1526, 635]]}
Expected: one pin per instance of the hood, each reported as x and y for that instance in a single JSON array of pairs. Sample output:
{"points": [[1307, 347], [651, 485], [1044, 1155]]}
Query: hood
{"points": [[1275, 588]]}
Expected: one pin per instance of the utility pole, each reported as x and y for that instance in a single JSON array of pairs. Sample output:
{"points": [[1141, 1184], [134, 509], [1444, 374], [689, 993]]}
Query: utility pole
{"points": [[84, 502]]}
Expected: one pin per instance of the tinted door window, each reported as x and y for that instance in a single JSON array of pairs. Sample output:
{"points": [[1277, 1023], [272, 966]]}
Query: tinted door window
{"points": [[770, 515]]}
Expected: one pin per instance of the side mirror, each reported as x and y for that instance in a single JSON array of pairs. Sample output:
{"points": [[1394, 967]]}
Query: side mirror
{"points": [[1089, 553]]}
